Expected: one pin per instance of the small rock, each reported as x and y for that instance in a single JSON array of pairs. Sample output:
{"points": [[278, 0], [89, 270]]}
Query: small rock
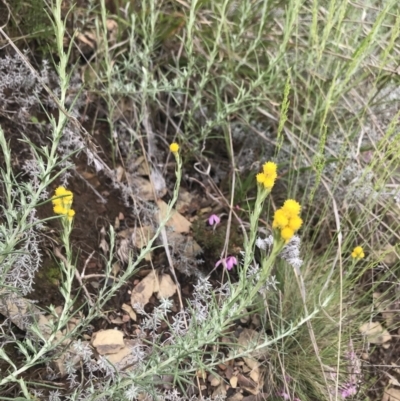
{"points": [[108, 341], [375, 333]]}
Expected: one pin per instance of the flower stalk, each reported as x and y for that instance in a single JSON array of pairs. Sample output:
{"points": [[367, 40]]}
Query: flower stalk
{"points": [[265, 182]]}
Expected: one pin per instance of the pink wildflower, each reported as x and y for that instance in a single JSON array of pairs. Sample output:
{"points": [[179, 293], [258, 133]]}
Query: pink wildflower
{"points": [[286, 396], [228, 262], [348, 391], [213, 220]]}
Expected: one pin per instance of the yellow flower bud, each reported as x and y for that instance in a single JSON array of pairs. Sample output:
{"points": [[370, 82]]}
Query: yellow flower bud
{"points": [[358, 253], [174, 147], [62, 202], [57, 202], [260, 178], [291, 208], [59, 209], [269, 182], [268, 176], [295, 223], [280, 219], [269, 168], [287, 233], [60, 191]]}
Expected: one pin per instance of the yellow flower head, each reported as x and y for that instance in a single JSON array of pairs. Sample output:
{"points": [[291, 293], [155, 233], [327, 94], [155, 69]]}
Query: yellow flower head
{"points": [[60, 191], [260, 178], [70, 214], [268, 176], [287, 219], [269, 169], [63, 196], [269, 182], [59, 209], [291, 208], [57, 202], [62, 202], [280, 219], [174, 147], [358, 253], [287, 233], [295, 223]]}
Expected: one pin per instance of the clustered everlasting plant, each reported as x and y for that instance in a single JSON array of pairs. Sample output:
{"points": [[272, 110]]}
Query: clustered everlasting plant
{"points": [[268, 176], [358, 253], [287, 219], [62, 203]]}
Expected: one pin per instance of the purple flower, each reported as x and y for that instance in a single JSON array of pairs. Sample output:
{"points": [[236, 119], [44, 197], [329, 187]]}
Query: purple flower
{"points": [[228, 262], [348, 390], [286, 396], [213, 220]]}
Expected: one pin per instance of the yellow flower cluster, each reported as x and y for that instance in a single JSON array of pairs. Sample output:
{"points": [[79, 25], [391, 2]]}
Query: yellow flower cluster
{"points": [[358, 253], [174, 147], [62, 202], [268, 176], [287, 219]]}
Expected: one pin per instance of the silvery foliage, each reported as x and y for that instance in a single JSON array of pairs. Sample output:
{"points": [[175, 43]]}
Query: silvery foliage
{"points": [[21, 258], [174, 395], [18, 268], [106, 367], [87, 393], [20, 89], [265, 243], [223, 291], [179, 326], [131, 393], [54, 395], [152, 322], [37, 394], [197, 313], [72, 140], [254, 273], [83, 349], [202, 297], [22, 95], [73, 380], [358, 183], [290, 252], [202, 290], [82, 352]]}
